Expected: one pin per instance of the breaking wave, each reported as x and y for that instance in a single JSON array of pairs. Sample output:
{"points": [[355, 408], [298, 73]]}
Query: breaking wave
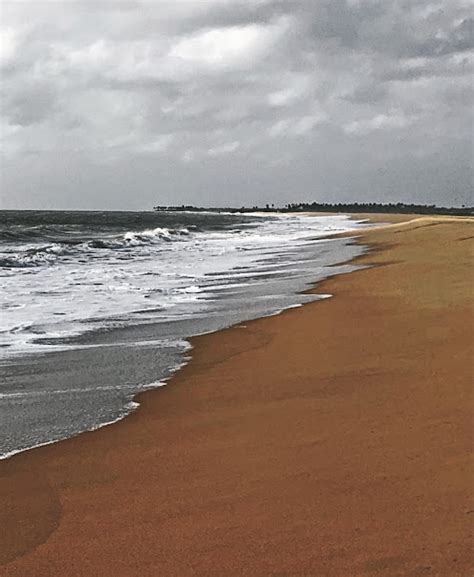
{"points": [[46, 254]]}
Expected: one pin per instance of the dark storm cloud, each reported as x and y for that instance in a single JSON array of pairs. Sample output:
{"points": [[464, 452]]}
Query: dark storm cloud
{"points": [[128, 103]]}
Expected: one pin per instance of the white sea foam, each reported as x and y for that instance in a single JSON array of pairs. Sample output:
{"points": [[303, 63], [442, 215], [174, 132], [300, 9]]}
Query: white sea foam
{"points": [[151, 275]]}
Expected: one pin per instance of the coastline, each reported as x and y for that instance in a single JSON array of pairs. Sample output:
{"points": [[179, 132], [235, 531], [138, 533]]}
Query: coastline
{"points": [[90, 382], [247, 452], [66, 369]]}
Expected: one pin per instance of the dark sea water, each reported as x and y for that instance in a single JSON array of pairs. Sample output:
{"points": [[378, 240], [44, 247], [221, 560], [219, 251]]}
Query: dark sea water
{"points": [[97, 306]]}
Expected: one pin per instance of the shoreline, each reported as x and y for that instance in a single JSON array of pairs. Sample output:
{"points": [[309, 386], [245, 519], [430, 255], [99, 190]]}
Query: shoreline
{"points": [[166, 375], [227, 419]]}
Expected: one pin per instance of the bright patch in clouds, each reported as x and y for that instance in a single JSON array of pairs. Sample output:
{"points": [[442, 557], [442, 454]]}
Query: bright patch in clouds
{"points": [[9, 42], [223, 149], [379, 122], [234, 46]]}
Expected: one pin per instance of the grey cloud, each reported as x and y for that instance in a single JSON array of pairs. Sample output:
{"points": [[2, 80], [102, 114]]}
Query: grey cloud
{"points": [[399, 29], [230, 101], [237, 13], [369, 93], [28, 103]]}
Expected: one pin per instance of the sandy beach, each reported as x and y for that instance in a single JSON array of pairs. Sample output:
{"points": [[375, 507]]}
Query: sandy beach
{"points": [[334, 440]]}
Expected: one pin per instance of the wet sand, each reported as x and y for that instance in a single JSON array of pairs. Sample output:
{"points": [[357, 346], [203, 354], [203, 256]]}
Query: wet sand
{"points": [[332, 440]]}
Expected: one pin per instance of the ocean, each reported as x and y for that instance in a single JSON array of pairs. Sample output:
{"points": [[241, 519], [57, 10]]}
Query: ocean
{"points": [[98, 306]]}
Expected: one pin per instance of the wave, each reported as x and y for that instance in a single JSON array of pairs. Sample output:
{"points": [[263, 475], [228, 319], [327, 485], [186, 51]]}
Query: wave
{"points": [[150, 235], [20, 233], [45, 254], [144, 237], [32, 256]]}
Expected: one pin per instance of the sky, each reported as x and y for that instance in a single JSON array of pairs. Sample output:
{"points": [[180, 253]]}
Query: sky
{"points": [[127, 104]]}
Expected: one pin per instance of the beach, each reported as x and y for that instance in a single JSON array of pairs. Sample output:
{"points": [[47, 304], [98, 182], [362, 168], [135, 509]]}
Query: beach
{"points": [[332, 440]]}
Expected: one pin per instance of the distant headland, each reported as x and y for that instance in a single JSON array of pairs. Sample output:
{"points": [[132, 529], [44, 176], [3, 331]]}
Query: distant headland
{"points": [[355, 207]]}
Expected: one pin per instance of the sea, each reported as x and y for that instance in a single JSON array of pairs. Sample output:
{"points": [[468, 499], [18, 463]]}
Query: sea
{"points": [[96, 307]]}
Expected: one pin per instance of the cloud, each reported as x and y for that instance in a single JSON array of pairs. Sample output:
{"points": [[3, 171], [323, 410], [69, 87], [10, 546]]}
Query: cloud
{"points": [[296, 126], [28, 103], [394, 120], [9, 42], [295, 87], [223, 149], [227, 47], [159, 144], [231, 101]]}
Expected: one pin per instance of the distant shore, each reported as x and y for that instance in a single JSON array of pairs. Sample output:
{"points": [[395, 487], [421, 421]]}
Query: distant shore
{"points": [[373, 208], [332, 440]]}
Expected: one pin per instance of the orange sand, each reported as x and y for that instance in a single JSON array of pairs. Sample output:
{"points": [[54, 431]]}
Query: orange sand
{"points": [[333, 440]]}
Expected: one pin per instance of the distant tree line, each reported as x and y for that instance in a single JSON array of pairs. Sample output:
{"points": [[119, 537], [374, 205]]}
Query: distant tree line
{"points": [[395, 208], [192, 208], [375, 207]]}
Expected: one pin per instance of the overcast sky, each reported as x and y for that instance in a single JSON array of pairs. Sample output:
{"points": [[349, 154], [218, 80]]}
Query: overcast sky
{"points": [[127, 104]]}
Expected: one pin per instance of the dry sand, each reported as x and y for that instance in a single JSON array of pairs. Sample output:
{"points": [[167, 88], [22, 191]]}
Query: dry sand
{"points": [[332, 440]]}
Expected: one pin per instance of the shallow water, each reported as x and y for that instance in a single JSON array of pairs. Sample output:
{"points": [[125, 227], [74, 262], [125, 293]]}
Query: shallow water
{"points": [[97, 306]]}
